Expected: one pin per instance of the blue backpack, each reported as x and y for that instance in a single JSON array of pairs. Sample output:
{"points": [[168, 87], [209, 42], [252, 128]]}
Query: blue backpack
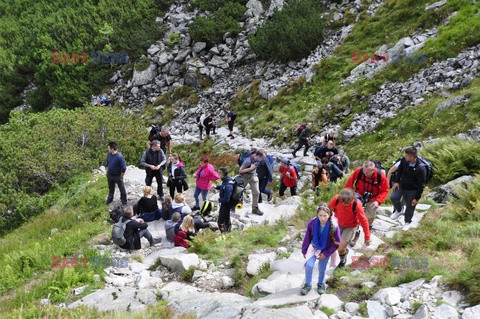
{"points": [[298, 169], [270, 159], [242, 156]]}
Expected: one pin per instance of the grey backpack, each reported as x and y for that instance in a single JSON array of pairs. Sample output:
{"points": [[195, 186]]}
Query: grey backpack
{"points": [[118, 232]]}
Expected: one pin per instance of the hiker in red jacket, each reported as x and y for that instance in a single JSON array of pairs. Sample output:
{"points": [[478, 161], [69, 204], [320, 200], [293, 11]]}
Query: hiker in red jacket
{"points": [[288, 178], [371, 187], [349, 212]]}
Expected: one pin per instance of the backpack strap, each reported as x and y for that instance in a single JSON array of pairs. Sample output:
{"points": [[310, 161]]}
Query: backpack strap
{"points": [[359, 177]]}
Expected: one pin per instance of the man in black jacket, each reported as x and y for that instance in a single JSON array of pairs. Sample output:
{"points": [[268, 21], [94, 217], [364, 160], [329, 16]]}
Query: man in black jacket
{"points": [[134, 230], [226, 190], [209, 124], [153, 159], [409, 183], [303, 140]]}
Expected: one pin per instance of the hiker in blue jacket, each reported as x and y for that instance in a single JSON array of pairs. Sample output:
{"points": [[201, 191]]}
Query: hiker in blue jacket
{"points": [[264, 173], [226, 191]]}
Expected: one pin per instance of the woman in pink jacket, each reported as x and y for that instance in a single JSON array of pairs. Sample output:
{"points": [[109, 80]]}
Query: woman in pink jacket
{"points": [[204, 175]]}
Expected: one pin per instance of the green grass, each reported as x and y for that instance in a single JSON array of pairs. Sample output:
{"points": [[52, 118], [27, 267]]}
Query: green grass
{"points": [[416, 305], [326, 99], [328, 311], [27, 275]]}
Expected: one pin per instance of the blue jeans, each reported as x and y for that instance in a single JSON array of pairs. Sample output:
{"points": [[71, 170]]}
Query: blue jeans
{"points": [[151, 216], [322, 266], [262, 185], [197, 192]]}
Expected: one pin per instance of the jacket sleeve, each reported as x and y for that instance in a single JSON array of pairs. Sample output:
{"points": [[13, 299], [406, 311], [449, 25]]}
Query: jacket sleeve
{"points": [[303, 134], [133, 223], [347, 161], [212, 175], [398, 176], [383, 191], [164, 158], [362, 218], [352, 179], [308, 237], [183, 173], [124, 164], [293, 173], [269, 170], [333, 202], [143, 161], [421, 179]]}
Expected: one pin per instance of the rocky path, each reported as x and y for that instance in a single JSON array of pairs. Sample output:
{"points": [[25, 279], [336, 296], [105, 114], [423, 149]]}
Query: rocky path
{"points": [[143, 282]]}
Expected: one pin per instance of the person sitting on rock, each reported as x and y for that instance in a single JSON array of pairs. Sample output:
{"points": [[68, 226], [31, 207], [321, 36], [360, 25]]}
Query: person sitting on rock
{"points": [[185, 233], [349, 212], [147, 206], [134, 230], [170, 226], [179, 206], [319, 179], [288, 178], [321, 240], [165, 208]]}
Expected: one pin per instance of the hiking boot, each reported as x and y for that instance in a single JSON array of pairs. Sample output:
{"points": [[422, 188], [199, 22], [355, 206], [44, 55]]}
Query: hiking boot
{"points": [[305, 289], [406, 226], [294, 155], [355, 239], [343, 260], [257, 211], [232, 137], [321, 288], [396, 214], [270, 197], [229, 135], [155, 241], [195, 208]]}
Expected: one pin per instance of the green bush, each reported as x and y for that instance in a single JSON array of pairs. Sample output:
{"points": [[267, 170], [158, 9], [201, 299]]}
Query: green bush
{"points": [[173, 39], [39, 151], [452, 158], [142, 65], [30, 31], [213, 5], [467, 206], [292, 33], [210, 29]]}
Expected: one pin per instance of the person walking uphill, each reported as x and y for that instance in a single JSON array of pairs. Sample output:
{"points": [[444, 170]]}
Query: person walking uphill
{"points": [[226, 190], [248, 172], [153, 159], [320, 242], [350, 214], [409, 183], [204, 175], [303, 140], [370, 186], [116, 167], [231, 116], [265, 174], [288, 178]]}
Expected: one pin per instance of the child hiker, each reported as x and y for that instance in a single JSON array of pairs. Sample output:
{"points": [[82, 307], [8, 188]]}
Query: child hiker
{"points": [[320, 242]]}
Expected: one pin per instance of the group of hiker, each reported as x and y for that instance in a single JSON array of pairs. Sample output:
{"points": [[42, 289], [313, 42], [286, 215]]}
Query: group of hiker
{"points": [[207, 121], [336, 226]]}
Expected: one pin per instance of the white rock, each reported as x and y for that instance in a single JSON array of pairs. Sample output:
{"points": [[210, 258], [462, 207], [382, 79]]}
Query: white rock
{"points": [[227, 282], [452, 297], [352, 308], [445, 311], [180, 263], [471, 313], [390, 296], [256, 262], [376, 310], [330, 301]]}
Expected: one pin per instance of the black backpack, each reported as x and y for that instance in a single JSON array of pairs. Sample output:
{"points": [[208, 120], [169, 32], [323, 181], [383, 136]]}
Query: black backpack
{"points": [[300, 129], [428, 167], [392, 178], [233, 117], [335, 160], [238, 189], [242, 156], [116, 213]]}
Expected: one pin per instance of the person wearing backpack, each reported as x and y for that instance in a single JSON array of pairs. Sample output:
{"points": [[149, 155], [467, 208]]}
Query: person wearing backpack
{"points": [[134, 230], [265, 174], [349, 212], [303, 140], [344, 160], [409, 183], [163, 136], [231, 116], [153, 160], [393, 171], [288, 178], [328, 151], [226, 190], [200, 120], [319, 179], [179, 206], [248, 172], [204, 175], [333, 172], [371, 188], [116, 167], [176, 175], [330, 136]]}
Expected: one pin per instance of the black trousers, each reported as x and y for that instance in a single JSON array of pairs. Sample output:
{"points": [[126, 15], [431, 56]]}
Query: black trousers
{"points": [[281, 191], [173, 187], [200, 127], [158, 175], [224, 223], [116, 180], [230, 125], [301, 143], [210, 127]]}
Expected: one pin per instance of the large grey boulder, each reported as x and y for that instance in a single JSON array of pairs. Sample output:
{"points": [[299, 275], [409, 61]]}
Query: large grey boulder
{"points": [[390, 296], [445, 311], [146, 76], [256, 262], [449, 191], [471, 313], [180, 263], [330, 301], [255, 7], [450, 103], [376, 310]]}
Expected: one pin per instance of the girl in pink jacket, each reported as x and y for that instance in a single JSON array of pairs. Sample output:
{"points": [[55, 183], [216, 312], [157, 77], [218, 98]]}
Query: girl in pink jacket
{"points": [[204, 175]]}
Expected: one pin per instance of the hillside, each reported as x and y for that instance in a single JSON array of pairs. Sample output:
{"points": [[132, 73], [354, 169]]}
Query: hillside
{"points": [[277, 64]]}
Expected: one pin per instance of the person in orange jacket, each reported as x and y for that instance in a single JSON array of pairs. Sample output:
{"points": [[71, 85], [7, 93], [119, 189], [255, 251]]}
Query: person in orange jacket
{"points": [[349, 212]]}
